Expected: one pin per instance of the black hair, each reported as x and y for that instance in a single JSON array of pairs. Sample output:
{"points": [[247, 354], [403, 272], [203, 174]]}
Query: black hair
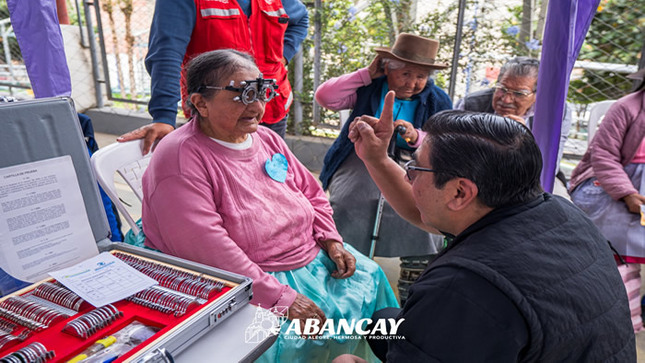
{"points": [[498, 154], [213, 69]]}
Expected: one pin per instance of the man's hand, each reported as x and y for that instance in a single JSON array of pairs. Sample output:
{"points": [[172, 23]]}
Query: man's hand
{"points": [[411, 134], [348, 358], [634, 202], [376, 68], [303, 308], [151, 133], [371, 136], [345, 261]]}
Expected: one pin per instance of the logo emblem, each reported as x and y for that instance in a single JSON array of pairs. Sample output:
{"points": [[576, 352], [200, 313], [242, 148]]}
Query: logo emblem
{"points": [[265, 323]]}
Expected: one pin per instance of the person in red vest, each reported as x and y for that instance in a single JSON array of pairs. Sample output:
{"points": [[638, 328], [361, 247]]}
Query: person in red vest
{"points": [[270, 30]]}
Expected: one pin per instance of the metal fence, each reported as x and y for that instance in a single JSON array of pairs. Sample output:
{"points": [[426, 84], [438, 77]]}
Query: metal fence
{"points": [[123, 40], [496, 30], [13, 73], [492, 31]]}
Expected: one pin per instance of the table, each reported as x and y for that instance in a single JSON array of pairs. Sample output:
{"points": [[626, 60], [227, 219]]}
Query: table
{"points": [[226, 342]]}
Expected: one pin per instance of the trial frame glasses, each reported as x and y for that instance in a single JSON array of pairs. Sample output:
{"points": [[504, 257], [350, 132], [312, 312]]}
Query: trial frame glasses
{"points": [[251, 90], [410, 168]]}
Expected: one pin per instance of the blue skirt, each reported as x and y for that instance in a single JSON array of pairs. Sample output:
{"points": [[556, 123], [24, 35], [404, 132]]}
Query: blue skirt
{"points": [[622, 228], [356, 297]]}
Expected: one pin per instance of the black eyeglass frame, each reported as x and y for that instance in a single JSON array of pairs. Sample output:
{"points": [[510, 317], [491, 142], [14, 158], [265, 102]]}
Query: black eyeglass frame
{"points": [[409, 166], [250, 89], [516, 94]]}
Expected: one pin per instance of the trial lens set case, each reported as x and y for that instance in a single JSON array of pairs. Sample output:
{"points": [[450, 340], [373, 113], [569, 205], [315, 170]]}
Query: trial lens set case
{"points": [[48, 128]]}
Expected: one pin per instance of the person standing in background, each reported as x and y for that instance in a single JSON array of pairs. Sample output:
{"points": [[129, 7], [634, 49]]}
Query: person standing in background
{"points": [[270, 30], [609, 185], [405, 68]]}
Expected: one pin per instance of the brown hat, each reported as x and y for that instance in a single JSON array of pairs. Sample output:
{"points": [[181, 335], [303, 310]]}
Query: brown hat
{"points": [[413, 49]]}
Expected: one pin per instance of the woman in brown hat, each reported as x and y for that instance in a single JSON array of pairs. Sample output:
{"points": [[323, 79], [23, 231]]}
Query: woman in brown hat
{"points": [[404, 68], [609, 185]]}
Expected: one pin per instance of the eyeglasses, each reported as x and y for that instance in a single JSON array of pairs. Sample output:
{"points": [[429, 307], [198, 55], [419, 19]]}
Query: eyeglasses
{"points": [[514, 93], [411, 169], [251, 90]]}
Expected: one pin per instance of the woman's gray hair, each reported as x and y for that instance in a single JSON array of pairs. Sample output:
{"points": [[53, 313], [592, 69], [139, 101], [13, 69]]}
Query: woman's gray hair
{"points": [[393, 64], [214, 69]]}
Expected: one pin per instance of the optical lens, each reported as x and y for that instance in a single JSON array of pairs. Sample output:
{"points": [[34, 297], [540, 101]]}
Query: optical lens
{"points": [[249, 95]]}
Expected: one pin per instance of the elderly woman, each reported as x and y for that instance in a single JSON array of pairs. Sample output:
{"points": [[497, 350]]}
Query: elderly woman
{"points": [[226, 193], [405, 69], [609, 185]]}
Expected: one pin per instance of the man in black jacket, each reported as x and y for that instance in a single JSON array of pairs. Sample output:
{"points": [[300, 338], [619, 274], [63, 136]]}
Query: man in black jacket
{"points": [[525, 276]]}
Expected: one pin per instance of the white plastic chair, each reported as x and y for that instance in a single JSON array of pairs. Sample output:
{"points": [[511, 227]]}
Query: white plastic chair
{"points": [[127, 160], [343, 114], [596, 114]]}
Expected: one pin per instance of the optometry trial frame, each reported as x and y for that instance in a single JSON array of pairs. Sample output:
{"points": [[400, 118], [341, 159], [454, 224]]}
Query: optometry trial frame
{"points": [[251, 90]]}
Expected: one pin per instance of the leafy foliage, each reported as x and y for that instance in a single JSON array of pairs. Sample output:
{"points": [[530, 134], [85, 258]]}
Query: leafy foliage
{"points": [[348, 40], [16, 55], [349, 36], [616, 35], [511, 32], [479, 37]]}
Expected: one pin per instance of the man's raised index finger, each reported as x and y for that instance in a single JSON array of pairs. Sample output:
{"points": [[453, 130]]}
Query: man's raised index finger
{"points": [[388, 106]]}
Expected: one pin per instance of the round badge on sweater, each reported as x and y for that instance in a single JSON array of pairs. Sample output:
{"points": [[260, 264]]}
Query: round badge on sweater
{"points": [[276, 167]]}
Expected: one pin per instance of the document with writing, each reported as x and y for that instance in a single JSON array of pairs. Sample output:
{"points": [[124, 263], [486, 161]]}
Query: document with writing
{"points": [[103, 279], [43, 222]]}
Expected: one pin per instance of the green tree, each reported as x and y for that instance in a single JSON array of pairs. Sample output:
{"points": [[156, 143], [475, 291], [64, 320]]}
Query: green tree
{"points": [[511, 32], [479, 37], [348, 39], [616, 35], [16, 55]]}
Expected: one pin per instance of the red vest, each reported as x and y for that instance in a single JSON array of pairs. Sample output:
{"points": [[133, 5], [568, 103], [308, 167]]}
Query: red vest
{"points": [[222, 24]]}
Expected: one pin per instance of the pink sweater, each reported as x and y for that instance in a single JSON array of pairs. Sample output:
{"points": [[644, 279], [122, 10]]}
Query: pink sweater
{"points": [[614, 146], [214, 205], [339, 93]]}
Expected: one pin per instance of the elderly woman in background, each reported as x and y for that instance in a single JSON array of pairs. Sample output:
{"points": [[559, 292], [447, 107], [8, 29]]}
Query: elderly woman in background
{"points": [[223, 192], [405, 69], [609, 185]]}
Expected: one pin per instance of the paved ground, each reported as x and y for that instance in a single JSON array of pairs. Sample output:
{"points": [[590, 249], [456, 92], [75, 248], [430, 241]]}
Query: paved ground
{"points": [[573, 151]]}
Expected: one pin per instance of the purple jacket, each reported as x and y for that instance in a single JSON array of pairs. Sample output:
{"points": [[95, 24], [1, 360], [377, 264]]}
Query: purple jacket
{"points": [[614, 146]]}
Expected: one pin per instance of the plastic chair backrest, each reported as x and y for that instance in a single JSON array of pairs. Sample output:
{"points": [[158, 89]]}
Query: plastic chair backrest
{"points": [[596, 114], [343, 114], [127, 160]]}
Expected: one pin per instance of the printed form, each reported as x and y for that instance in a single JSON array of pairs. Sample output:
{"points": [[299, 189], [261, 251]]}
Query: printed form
{"points": [[103, 279], [43, 222]]}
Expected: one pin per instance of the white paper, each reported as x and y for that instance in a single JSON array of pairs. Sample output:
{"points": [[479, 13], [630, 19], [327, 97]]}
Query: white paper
{"points": [[43, 222], [103, 279]]}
